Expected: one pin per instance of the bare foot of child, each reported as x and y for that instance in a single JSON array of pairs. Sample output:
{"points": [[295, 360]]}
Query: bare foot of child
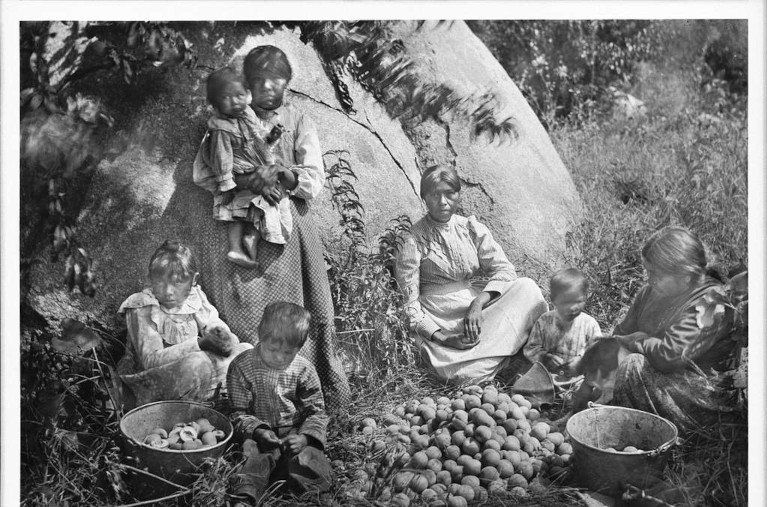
{"points": [[241, 259], [250, 241]]}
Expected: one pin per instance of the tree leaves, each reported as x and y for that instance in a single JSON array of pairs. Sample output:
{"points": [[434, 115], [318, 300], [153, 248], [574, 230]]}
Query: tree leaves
{"points": [[379, 62]]}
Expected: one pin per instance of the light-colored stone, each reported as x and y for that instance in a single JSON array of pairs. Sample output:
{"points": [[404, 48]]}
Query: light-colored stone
{"points": [[145, 195]]}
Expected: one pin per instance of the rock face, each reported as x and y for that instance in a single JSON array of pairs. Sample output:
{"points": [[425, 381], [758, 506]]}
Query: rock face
{"points": [[144, 194]]}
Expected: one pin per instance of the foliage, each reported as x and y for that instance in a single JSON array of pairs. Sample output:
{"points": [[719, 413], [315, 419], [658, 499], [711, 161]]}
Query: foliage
{"points": [[636, 178], [68, 456], [371, 54], [60, 128], [370, 321], [564, 68]]}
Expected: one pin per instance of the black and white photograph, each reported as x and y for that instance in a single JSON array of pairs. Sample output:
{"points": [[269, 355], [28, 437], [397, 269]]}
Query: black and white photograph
{"points": [[383, 253]]}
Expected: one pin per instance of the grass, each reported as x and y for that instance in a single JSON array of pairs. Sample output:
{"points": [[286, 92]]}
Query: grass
{"points": [[683, 163]]}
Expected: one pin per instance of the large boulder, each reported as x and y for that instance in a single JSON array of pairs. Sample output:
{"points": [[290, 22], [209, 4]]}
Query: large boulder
{"points": [[142, 193]]}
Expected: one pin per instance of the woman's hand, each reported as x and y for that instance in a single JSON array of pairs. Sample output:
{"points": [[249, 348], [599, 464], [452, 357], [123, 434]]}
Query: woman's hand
{"points": [[627, 341], [471, 322], [287, 178], [460, 342], [264, 177], [272, 195]]}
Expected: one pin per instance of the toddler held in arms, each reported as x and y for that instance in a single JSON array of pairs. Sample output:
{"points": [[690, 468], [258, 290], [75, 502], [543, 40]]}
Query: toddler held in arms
{"points": [[278, 409], [238, 143], [562, 335]]}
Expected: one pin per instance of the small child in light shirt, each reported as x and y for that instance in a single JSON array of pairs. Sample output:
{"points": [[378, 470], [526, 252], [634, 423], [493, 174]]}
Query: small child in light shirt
{"points": [[562, 335]]}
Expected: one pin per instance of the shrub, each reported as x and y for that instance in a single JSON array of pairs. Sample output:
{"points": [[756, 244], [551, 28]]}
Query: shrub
{"points": [[370, 320]]}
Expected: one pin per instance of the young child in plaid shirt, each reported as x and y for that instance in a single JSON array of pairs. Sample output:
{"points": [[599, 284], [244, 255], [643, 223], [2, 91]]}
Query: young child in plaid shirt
{"points": [[563, 334], [278, 409]]}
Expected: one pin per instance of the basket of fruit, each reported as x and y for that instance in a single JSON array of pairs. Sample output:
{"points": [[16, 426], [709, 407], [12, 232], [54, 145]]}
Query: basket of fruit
{"points": [[172, 438], [614, 446]]}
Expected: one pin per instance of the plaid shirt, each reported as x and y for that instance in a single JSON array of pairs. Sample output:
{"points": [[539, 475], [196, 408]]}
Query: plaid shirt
{"points": [[547, 336], [280, 400]]}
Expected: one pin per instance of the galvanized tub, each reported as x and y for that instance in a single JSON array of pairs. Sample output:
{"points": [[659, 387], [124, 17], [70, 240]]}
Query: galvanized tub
{"points": [[595, 429], [174, 465]]}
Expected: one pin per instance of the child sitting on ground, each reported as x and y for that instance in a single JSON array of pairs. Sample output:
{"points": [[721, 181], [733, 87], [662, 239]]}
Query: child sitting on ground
{"points": [[278, 408], [562, 335], [177, 347], [238, 143]]}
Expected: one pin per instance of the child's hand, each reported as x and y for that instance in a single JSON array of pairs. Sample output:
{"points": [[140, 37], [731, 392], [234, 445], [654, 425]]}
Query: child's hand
{"points": [[228, 196], [295, 442], [572, 368], [552, 363], [216, 339], [266, 438]]}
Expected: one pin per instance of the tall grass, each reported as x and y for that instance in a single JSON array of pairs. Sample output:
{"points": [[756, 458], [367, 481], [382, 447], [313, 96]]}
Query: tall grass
{"points": [[635, 176]]}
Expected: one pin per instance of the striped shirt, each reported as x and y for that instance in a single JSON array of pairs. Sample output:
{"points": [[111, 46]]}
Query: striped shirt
{"points": [[280, 400]]}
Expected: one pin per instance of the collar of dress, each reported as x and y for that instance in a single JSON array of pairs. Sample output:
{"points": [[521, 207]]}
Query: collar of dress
{"points": [[266, 114], [434, 223], [192, 305]]}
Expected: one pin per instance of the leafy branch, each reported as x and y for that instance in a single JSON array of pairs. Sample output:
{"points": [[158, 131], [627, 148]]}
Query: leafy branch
{"points": [[365, 297], [368, 51], [58, 127]]}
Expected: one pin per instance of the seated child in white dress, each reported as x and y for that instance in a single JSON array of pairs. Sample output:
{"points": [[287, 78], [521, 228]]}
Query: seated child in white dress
{"points": [[178, 348], [562, 335], [238, 143]]}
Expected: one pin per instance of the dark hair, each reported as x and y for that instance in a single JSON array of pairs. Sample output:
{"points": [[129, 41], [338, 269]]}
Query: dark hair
{"points": [[284, 321], [439, 174], [675, 250], [568, 278], [172, 260], [268, 60], [218, 80]]}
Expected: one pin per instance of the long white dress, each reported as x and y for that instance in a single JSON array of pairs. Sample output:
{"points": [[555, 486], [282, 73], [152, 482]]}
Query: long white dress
{"points": [[438, 270]]}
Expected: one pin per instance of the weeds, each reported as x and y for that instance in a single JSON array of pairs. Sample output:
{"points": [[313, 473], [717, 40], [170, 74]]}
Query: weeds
{"points": [[370, 321]]}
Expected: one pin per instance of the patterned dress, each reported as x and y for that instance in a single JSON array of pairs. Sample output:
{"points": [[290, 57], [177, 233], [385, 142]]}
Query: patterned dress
{"points": [[549, 336], [294, 272], [437, 270], [162, 359], [680, 344]]}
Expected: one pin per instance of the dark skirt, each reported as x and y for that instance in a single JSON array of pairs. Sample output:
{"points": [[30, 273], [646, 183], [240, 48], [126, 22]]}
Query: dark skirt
{"points": [[294, 272], [686, 398]]}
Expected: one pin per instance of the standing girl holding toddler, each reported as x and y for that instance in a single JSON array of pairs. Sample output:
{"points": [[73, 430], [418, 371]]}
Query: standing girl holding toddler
{"points": [[294, 272], [236, 143]]}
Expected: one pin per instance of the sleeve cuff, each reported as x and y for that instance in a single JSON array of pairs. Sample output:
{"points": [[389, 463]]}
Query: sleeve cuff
{"points": [[496, 286], [315, 438], [227, 184], [425, 328]]}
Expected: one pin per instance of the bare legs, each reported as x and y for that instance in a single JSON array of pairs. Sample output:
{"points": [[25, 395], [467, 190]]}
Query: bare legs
{"points": [[237, 239]]}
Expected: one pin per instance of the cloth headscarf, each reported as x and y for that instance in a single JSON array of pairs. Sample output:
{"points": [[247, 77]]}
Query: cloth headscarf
{"points": [[266, 61]]}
